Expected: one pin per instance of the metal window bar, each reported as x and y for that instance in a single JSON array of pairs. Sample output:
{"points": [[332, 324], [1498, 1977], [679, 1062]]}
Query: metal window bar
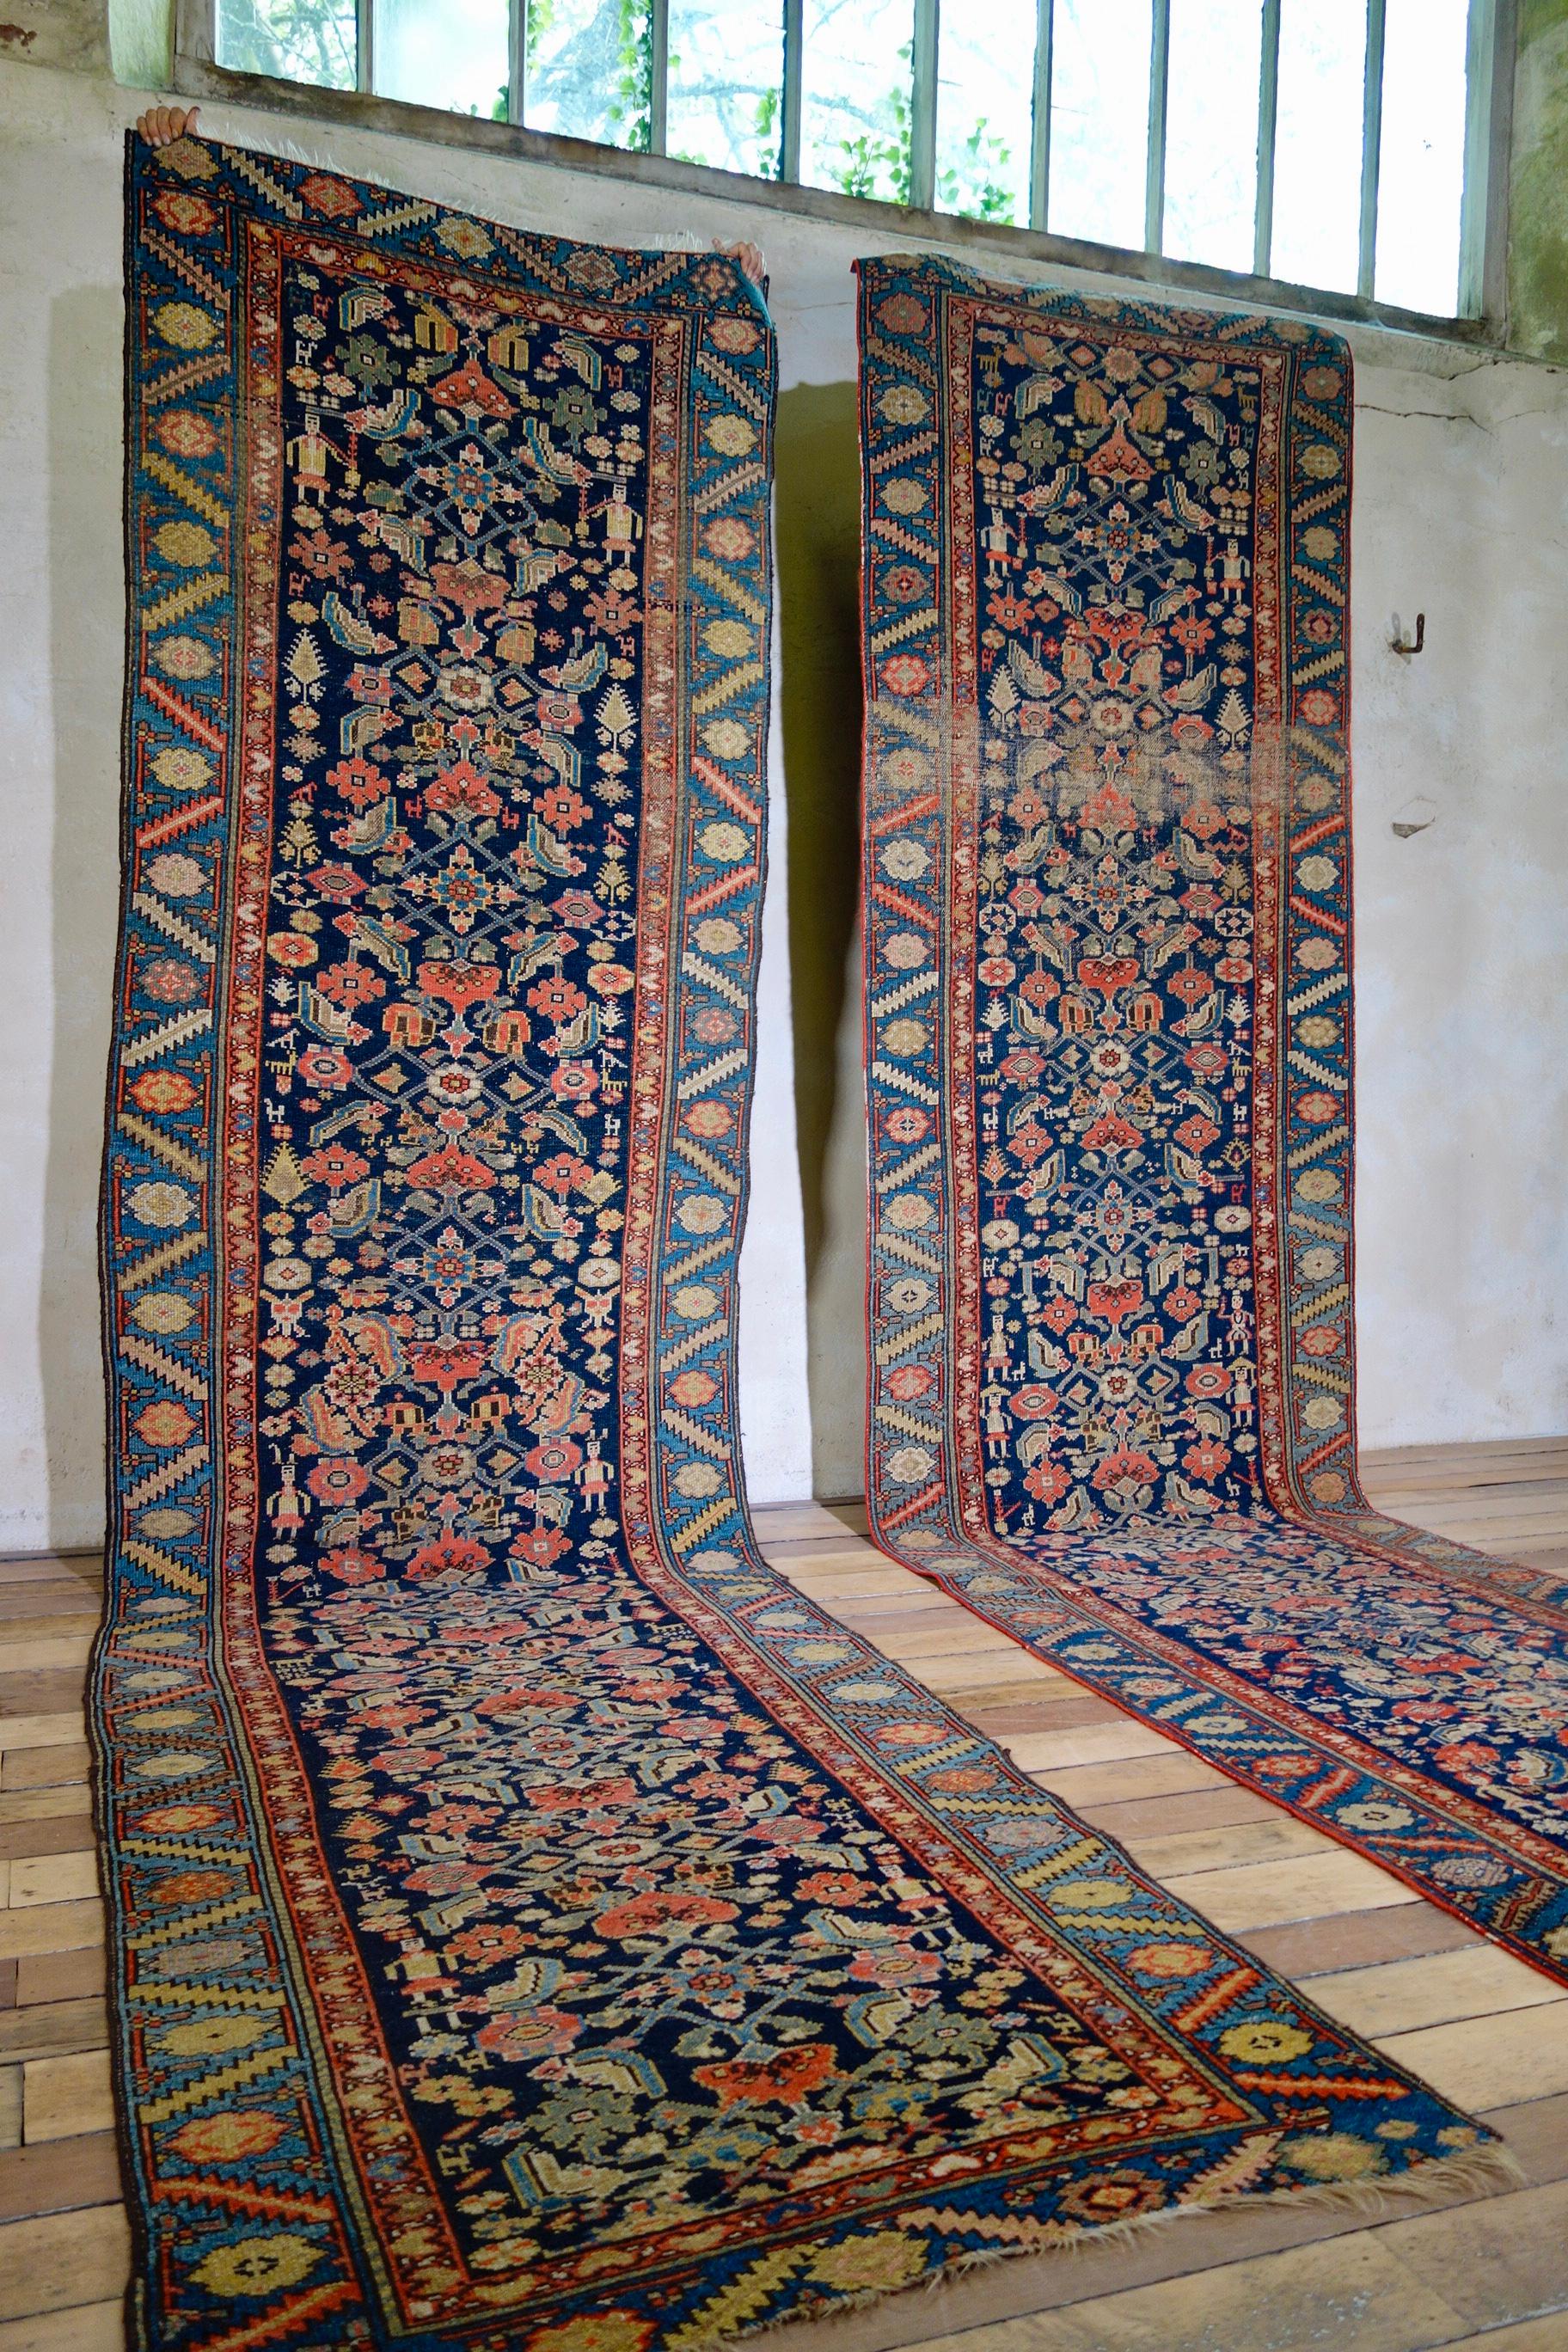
{"points": [[1370, 144], [1268, 133], [658, 68], [1159, 99], [516, 59], [789, 131], [922, 105], [1492, 42], [1488, 113], [1040, 144]]}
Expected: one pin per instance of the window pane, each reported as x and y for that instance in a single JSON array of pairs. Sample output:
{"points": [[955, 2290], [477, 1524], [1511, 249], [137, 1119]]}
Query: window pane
{"points": [[855, 96], [1317, 154], [1211, 132], [1100, 119], [984, 111], [1421, 172], [726, 83], [590, 71], [451, 53], [293, 41]]}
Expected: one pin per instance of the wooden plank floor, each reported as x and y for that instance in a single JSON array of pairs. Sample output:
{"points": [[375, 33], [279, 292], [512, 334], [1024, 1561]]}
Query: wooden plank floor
{"points": [[1490, 2273]]}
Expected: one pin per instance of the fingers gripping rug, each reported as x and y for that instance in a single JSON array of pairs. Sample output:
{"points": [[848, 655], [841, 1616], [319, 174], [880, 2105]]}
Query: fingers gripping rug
{"points": [[533, 1925], [1108, 1025]]}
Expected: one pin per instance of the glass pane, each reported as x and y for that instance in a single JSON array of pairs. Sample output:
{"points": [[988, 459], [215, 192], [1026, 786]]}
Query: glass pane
{"points": [[984, 111], [451, 53], [1211, 132], [293, 41], [726, 84], [1100, 119], [590, 71], [1421, 170], [1317, 154], [855, 96]]}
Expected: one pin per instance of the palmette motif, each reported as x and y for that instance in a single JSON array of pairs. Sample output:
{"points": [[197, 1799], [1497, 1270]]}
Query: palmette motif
{"points": [[1108, 1012], [533, 1924]]}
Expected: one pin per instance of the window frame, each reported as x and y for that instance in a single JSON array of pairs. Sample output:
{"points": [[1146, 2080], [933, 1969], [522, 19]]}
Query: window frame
{"points": [[1483, 234]]}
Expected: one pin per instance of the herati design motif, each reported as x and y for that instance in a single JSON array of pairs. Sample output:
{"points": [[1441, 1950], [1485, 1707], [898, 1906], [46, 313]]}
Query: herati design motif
{"points": [[534, 1926], [1108, 1019]]}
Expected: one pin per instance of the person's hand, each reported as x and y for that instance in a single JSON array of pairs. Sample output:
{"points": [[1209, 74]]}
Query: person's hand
{"points": [[749, 259], [161, 125]]}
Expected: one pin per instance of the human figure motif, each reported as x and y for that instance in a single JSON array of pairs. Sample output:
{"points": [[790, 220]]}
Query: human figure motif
{"points": [[308, 454], [996, 538], [1232, 571], [623, 526]]}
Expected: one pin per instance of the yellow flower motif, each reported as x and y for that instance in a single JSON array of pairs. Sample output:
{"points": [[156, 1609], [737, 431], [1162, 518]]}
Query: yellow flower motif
{"points": [[728, 639], [163, 1525], [1335, 2156], [602, 2331], [1323, 1413], [727, 738], [182, 324], [731, 436], [1264, 2041], [207, 2037], [464, 238], [257, 2266], [903, 404], [883, 2260], [184, 542], [185, 657], [179, 770], [164, 1311], [1090, 1893], [725, 843]]}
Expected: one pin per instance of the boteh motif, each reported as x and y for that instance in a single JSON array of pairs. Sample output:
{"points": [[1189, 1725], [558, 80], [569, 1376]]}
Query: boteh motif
{"points": [[1107, 1014], [535, 1928]]}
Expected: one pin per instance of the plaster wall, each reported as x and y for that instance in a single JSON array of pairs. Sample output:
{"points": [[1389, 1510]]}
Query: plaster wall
{"points": [[1462, 478]]}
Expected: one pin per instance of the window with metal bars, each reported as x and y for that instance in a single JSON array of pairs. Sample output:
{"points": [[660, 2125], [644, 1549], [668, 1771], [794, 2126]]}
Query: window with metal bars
{"points": [[1342, 147]]}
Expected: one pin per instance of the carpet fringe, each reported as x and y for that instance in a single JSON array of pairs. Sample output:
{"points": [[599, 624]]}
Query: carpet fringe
{"points": [[1444, 2181]]}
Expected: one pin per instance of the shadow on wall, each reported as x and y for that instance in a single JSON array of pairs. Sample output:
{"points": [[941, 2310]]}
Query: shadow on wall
{"points": [[85, 638], [818, 536]]}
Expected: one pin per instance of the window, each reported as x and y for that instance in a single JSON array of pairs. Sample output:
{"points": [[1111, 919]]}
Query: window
{"points": [[1336, 145]]}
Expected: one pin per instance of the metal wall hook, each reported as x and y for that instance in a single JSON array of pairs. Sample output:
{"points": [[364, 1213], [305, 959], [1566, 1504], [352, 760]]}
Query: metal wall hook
{"points": [[1418, 643]]}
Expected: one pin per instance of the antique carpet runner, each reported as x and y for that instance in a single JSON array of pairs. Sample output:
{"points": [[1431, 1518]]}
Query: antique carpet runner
{"points": [[533, 1925], [1108, 1025]]}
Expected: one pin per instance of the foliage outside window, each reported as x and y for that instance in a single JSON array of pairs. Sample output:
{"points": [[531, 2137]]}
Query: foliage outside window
{"points": [[1337, 145]]}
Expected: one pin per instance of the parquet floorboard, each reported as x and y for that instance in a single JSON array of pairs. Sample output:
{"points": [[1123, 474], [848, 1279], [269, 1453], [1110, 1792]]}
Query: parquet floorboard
{"points": [[1487, 2274]]}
